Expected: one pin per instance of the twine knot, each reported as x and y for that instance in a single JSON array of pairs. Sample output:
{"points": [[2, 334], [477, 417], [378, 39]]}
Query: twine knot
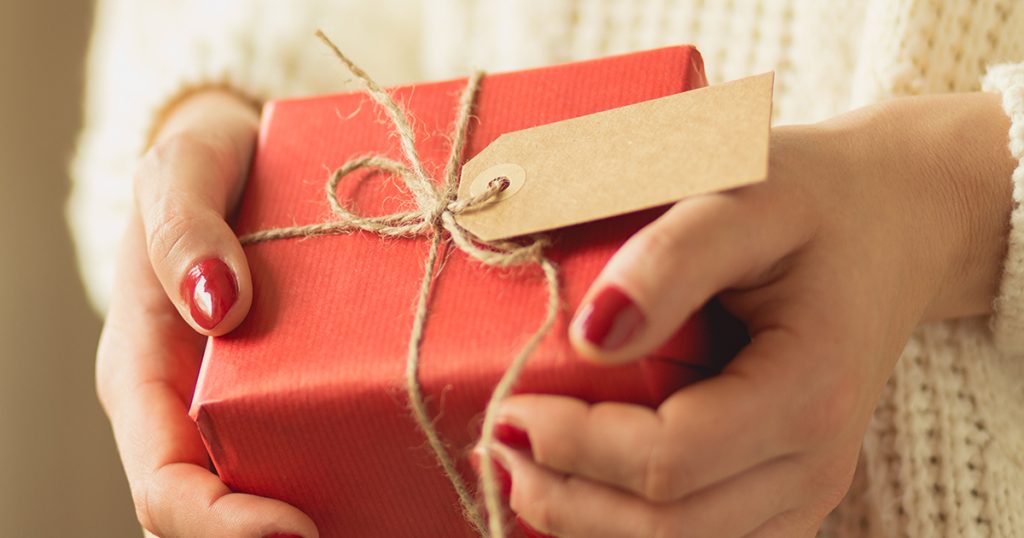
{"points": [[436, 206]]}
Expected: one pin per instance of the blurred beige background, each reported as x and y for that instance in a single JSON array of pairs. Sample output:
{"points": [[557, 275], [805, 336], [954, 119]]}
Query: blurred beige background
{"points": [[59, 472]]}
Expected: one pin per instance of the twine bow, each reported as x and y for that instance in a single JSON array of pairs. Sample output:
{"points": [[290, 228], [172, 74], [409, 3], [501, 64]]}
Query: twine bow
{"points": [[434, 217]]}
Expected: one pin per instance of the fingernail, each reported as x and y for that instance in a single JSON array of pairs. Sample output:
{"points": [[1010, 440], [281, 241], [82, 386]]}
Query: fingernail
{"points": [[501, 473], [529, 531], [210, 290], [512, 436], [504, 479], [611, 319]]}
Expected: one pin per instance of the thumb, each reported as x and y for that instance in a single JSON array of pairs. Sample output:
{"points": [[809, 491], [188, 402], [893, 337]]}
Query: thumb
{"points": [[186, 184], [669, 269]]}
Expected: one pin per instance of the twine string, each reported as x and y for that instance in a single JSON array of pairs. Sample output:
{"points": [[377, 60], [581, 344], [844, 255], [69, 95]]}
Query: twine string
{"points": [[434, 217]]}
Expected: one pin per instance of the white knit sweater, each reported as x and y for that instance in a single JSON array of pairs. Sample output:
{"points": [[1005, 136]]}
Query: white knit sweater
{"points": [[944, 455]]}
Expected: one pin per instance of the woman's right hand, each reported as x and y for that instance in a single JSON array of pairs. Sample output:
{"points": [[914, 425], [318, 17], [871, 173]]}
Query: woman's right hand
{"points": [[182, 276]]}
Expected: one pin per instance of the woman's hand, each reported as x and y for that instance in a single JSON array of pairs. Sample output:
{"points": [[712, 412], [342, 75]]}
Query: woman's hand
{"points": [[182, 276], [869, 224]]}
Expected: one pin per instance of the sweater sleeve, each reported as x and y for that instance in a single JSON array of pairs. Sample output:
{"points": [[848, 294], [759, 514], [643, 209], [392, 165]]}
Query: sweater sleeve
{"points": [[1008, 322], [146, 55]]}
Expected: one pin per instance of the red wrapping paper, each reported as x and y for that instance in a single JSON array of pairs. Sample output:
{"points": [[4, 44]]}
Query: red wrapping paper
{"points": [[305, 401]]}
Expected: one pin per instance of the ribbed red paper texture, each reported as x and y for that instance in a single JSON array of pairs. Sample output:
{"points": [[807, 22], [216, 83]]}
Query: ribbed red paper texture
{"points": [[305, 401]]}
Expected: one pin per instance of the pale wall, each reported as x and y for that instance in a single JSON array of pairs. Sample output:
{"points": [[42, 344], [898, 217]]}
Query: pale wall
{"points": [[59, 473]]}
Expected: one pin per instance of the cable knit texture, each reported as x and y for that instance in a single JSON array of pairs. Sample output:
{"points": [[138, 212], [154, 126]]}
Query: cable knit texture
{"points": [[944, 453]]}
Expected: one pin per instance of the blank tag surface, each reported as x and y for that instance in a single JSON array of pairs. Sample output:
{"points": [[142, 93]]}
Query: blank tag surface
{"points": [[622, 160]]}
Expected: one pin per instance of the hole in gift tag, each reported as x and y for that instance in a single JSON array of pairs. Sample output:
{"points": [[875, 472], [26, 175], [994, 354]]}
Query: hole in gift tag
{"points": [[501, 182], [509, 178]]}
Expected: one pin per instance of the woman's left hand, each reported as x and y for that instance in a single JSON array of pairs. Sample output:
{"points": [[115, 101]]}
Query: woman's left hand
{"points": [[869, 224]]}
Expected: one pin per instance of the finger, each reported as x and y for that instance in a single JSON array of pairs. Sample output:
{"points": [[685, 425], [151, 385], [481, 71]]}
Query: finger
{"points": [[792, 524], [558, 504], [184, 187], [665, 272], [147, 365], [702, 434], [570, 506], [179, 496], [188, 500]]}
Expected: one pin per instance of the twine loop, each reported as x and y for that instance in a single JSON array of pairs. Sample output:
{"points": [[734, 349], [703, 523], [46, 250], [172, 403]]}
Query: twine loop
{"points": [[436, 206]]}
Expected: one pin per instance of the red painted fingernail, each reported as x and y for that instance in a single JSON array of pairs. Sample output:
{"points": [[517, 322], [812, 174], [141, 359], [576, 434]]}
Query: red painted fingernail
{"points": [[512, 436], [611, 319], [529, 531], [501, 473], [210, 290]]}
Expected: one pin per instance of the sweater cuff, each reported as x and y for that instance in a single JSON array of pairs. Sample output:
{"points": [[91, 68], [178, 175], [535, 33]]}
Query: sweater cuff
{"points": [[1008, 322], [164, 112]]}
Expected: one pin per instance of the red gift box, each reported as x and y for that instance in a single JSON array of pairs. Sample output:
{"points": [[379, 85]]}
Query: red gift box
{"points": [[304, 402]]}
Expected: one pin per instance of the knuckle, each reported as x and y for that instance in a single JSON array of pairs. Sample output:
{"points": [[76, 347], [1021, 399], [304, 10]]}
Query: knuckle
{"points": [[791, 524], [171, 214], [213, 151], [142, 516], [666, 528], [539, 512], [568, 451], [168, 233], [830, 486], [206, 147], [140, 499], [664, 523], [151, 497], [546, 520], [831, 497], [545, 508], [164, 153], [664, 474], [827, 415], [657, 241]]}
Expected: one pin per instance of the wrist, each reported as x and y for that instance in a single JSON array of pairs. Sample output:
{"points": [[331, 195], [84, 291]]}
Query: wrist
{"points": [[943, 167], [973, 163]]}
